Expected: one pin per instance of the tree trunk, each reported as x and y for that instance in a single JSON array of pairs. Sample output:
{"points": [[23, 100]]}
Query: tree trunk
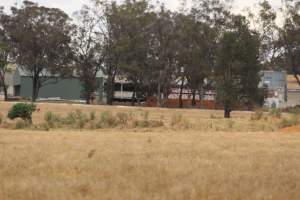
{"points": [[133, 100], [159, 100], [194, 98], [227, 111], [4, 89], [180, 94], [110, 89], [159, 90], [2, 79], [35, 88], [165, 96], [88, 99], [296, 77], [200, 98], [293, 66], [5, 92]]}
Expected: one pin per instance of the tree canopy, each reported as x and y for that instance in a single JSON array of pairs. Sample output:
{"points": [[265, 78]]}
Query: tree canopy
{"points": [[205, 47]]}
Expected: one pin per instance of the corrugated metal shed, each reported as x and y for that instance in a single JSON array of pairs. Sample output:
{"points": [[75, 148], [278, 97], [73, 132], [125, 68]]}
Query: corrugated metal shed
{"points": [[274, 79]]}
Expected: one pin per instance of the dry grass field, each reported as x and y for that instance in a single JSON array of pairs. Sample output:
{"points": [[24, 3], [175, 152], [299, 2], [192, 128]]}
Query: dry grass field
{"points": [[150, 164]]}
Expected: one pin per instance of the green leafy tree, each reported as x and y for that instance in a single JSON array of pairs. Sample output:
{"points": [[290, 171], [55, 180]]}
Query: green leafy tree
{"points": [[290, 37], [237, 69], [269, 34], [4, 66], [87, 47], [136, 25], [109, 16], [194, 55], [40, 38], [163, 50], [5, 57]]}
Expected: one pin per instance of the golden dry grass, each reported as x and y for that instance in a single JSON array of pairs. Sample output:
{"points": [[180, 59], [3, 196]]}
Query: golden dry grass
{"points": [[147, 164]]}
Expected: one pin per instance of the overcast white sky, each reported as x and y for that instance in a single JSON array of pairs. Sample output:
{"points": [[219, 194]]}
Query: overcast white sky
{"points": [[70, 6]]}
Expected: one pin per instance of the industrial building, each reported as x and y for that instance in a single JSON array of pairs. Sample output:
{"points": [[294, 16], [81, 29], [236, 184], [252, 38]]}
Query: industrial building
{"points": [[276, 84], [55, 88]]}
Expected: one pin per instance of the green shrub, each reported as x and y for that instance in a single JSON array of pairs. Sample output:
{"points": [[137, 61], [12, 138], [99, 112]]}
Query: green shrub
{"points": [[52, 119], [81, 122], [70, 119], [1, 118], [79, 114], [108, 120], [275, 112], [75, 119], [23, 111]]}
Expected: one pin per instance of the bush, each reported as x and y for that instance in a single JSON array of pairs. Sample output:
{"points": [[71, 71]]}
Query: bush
{"points": [[107, 120], [1, 118], [23, 111], [52, 119], [81, 122], [76, 119], [81, 119], [70, 119]]}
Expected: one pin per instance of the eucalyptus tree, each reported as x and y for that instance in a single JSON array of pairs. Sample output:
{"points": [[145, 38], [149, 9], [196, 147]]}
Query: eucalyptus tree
{"points": [[290, 37], [109, 16], [164, 45], [269, 31], [4, 66], [5, 52], [199, 31], [87, 47], [194, 55], [237, 69], [40, 39], [136, 24], [265, 23]]}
